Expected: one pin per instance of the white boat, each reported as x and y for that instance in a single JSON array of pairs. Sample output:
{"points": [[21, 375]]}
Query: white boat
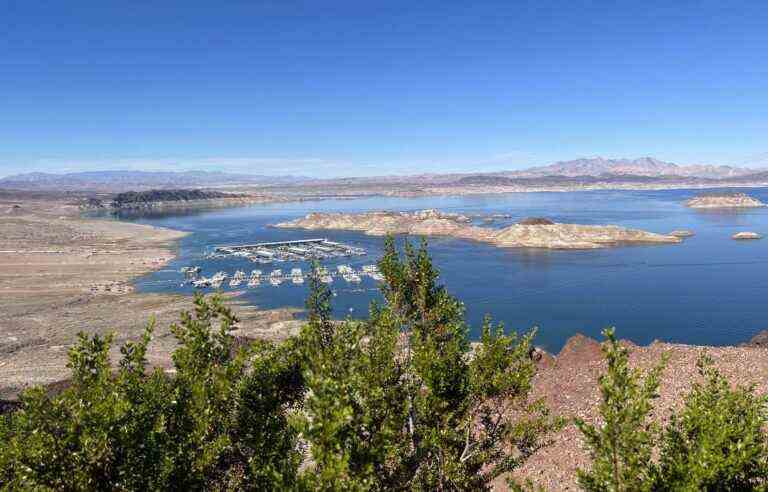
{"points": [[202, 283], [326, 279], [255, 278], [218, 279], [237, 279], [353, 277]]}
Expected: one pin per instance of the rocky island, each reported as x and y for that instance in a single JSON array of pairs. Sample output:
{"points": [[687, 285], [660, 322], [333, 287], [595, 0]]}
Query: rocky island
{"points": [[731, 200], [539, 233], [746, 235]]}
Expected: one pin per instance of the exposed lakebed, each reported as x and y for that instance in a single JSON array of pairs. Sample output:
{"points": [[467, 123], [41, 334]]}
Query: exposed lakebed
{"points": [[709, 289]]}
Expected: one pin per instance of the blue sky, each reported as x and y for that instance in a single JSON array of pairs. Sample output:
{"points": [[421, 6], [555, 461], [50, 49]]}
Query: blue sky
{"points": [[368, 88]]}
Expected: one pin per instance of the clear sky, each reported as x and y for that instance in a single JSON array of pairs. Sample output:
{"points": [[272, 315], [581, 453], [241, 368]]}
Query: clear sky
{"points": [[328, 88]]}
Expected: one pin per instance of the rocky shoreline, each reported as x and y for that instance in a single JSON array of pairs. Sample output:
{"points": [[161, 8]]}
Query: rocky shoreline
{"points": [[541, 234]]}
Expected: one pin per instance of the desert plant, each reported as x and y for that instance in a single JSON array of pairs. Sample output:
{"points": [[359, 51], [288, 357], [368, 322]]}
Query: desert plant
{"points": [[717, 441], [401, 401], [621, 446]]}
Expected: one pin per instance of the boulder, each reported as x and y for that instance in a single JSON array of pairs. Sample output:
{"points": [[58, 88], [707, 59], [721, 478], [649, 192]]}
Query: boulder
{"points": [[759, 340]]}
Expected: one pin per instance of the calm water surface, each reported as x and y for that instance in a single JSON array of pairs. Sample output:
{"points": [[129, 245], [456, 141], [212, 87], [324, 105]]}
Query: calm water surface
{"points": [[708, 290]]}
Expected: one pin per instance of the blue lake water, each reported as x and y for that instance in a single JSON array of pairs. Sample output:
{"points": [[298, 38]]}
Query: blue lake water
{"points": [[708, 290]]}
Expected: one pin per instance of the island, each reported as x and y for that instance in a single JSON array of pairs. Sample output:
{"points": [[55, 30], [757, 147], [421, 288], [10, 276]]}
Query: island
{"points": [[746, 235], [537, 233], [730, 200]]}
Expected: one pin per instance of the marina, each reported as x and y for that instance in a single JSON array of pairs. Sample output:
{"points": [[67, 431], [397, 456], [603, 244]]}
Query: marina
{"points": [[276, 277], [282, 251]]}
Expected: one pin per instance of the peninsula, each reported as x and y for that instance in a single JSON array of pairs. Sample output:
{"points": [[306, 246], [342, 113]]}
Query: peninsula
{"points": [[730, 200], [527, 234]]}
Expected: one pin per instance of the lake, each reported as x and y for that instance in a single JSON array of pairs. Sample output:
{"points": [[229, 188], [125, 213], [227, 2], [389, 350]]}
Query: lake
{"points": [[709, 290]]}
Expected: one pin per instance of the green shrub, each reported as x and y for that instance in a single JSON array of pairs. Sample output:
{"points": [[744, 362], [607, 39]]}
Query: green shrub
{"points": [[206, 427], [399, 401], [621, 447], [715, 442]]}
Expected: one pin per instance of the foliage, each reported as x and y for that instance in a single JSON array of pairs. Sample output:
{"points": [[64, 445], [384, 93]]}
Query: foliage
{"points": [[400, 401], [715, 442], [621, 448], [205, 427]]}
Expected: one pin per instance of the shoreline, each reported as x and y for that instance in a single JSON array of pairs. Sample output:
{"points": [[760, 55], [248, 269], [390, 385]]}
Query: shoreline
{"points": [[62, 273]]}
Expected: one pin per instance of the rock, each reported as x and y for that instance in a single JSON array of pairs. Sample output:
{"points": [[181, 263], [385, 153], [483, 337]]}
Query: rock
{"points": [[579, 350], [435, 223], [682, 233], [746, 235], [759, 340], [536, 221], [732, 200]]}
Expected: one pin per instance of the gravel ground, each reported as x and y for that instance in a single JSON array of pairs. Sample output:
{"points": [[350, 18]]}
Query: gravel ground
{"points": [[569, 385]]}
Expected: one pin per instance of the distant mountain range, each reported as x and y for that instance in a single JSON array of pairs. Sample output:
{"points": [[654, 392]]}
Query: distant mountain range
{"points": [[576, 172], [644, 166], [115, 181]]}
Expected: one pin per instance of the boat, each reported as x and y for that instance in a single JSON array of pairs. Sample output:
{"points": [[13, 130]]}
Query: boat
{"points": [[218, 279], [276, 277], [297, 276], [237, 279], [202, 283], [326, 279], [255, 278]]}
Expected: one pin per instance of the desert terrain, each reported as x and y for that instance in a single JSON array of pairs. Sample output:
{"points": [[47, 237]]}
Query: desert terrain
{"points": [[61, 273]]}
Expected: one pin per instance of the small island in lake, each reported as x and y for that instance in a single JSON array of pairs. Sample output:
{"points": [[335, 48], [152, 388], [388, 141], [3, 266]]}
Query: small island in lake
{"points": [[730, 200], [529, 233], [746, 235]]}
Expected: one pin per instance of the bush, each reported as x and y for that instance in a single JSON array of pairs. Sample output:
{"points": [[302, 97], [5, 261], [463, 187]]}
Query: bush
{"points": [[716, 441], [208, 426]]}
